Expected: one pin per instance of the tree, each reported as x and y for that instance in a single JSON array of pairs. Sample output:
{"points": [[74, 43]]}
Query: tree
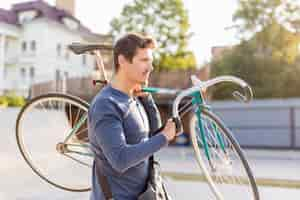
{"points": [[255, 15], [264, 74], [269, 58], [273, 24], [167, 22], [271, 74]]}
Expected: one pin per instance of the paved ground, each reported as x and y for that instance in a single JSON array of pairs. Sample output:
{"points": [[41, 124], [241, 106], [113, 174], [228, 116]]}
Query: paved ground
{"points": [[18, 182], [270, 167]]}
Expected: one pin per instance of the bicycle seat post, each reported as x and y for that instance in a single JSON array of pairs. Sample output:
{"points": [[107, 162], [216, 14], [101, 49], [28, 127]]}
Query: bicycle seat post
{"points": [[100, 64]]}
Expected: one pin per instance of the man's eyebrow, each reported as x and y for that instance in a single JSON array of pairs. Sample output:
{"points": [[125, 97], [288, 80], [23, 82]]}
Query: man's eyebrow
{"points": [[146, 59]]}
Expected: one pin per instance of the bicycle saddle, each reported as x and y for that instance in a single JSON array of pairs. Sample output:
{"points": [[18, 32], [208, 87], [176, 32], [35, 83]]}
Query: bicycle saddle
{"points": [[79, 48]]}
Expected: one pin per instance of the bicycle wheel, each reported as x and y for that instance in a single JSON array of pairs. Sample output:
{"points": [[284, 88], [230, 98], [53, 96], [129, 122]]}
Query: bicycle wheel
{"points": [[51, 132], [224, 165]]}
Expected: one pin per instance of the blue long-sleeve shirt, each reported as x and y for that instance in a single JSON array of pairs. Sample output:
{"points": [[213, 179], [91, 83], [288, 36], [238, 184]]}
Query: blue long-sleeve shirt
{"points": [[118, 130]]}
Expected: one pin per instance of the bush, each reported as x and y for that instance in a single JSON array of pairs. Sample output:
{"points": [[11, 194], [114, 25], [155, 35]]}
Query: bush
{"points": [[3, 101], [12, 100]]}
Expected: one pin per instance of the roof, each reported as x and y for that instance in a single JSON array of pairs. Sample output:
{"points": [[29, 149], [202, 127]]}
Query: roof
{"points": [[44, 10], [8, 16]]}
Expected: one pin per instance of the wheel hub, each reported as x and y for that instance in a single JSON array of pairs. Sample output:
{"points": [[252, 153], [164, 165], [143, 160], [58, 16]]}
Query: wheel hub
{"points": [[61, 148]]}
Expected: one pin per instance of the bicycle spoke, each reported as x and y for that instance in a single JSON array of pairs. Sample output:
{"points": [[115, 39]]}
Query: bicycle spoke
{"points": [[43, 107], [35, 140], [79, 145], [224, 165], [77, 115], [70, 115], [85, 129], [77, 160]]}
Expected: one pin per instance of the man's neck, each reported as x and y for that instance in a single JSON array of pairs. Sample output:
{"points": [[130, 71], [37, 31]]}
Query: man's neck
{"points": [[120, 83]]}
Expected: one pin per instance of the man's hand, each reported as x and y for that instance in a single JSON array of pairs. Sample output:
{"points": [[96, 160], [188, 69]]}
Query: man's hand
{"points": [[169, 130], [137, 91]]}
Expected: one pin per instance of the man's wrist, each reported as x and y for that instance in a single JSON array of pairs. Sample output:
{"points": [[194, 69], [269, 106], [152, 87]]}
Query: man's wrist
{"points": [[165, 138]]}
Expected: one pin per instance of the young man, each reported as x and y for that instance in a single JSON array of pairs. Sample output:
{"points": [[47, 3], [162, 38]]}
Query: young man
{"points": [[119, 126]]}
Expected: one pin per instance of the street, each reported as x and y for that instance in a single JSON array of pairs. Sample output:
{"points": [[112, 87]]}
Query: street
{"points": [[18, 182]]}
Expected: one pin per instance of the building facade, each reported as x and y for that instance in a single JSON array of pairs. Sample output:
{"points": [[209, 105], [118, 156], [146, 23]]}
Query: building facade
{"points": [[33, 46]]}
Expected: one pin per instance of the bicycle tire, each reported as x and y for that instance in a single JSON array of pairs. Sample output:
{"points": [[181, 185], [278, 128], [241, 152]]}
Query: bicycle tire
{"points": [[202, 159], [20, 134]]}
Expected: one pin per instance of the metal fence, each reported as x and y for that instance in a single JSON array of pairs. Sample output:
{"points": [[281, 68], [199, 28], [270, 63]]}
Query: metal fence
{"points": [[271, 123], [263, 123]]}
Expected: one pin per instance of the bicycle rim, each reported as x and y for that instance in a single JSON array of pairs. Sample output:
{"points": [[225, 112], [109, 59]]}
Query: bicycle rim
{"points": [[42, 126], [227, 170]]}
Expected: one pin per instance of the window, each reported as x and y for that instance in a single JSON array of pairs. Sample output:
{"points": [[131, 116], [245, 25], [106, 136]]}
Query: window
{"points": [[6, 46], [5, 72], [70, 23], [33, 45], [31, 72], [57, 79], [58, 50], [57, 74], [66, 75], [24, 46], [23, 73], [27, 16], [84, 59]]}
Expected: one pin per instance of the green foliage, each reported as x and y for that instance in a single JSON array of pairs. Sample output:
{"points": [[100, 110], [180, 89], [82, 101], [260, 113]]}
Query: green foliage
{"points": [[181, 60], [12, 100], [268, 75], [3, 101], [167, 21], [277, 42], [269, 60], [255, 15]]}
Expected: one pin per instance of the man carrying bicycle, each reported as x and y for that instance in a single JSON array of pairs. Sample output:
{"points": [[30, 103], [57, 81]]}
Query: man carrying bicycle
{"points": [[119, 126]]}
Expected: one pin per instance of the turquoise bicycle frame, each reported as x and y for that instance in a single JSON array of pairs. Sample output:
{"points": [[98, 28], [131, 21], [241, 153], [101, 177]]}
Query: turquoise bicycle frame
{"points": [[197, 102]]}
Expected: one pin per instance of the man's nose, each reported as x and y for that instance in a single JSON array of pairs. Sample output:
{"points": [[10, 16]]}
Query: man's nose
{"points": [[151, 68]]}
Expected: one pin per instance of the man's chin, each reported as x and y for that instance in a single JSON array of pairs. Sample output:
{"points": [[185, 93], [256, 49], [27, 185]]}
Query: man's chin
{"points": [[144, 81]]}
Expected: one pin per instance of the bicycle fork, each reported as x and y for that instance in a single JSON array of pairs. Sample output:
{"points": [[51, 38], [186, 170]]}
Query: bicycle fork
{"points": [[198, 101]]}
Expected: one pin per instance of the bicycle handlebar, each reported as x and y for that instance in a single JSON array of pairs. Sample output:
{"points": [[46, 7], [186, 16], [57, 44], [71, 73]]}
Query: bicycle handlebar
{"points": [[199, 85], [245, 98]]}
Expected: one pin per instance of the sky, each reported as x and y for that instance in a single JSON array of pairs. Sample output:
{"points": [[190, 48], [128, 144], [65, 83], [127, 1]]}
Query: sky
{"points": [[208, 20]]}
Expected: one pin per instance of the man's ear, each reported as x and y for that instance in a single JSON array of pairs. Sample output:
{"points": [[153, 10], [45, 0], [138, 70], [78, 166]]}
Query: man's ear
{"points": [[122, 60]]}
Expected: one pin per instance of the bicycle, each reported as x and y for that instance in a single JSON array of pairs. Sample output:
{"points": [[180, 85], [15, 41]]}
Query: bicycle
{"points": [[218, 154]]}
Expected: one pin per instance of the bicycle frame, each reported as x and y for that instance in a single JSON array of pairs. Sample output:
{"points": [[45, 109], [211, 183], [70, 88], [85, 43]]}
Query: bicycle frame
{"points": [[195, 93], [212, 142], [197, 102]]}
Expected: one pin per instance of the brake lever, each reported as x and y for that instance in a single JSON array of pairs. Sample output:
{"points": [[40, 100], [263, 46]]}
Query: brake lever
{"points": [[245, 98]]}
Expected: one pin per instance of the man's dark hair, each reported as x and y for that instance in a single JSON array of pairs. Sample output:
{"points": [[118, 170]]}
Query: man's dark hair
{"points": [[128, 45]]}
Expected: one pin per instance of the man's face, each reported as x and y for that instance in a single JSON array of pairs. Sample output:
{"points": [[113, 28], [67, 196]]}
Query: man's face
{"points": [[139, 69]]}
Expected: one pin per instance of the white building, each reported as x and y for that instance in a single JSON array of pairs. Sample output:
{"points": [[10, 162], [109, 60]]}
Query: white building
{"points": [[33, 40]]}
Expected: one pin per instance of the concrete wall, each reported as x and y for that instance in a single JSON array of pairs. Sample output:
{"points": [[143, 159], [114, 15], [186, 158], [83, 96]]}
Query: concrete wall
{"points": [[263, 123]]}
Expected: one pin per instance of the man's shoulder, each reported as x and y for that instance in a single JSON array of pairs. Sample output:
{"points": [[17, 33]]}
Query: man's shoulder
{"points": [[102, 100], [106, 101]]}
